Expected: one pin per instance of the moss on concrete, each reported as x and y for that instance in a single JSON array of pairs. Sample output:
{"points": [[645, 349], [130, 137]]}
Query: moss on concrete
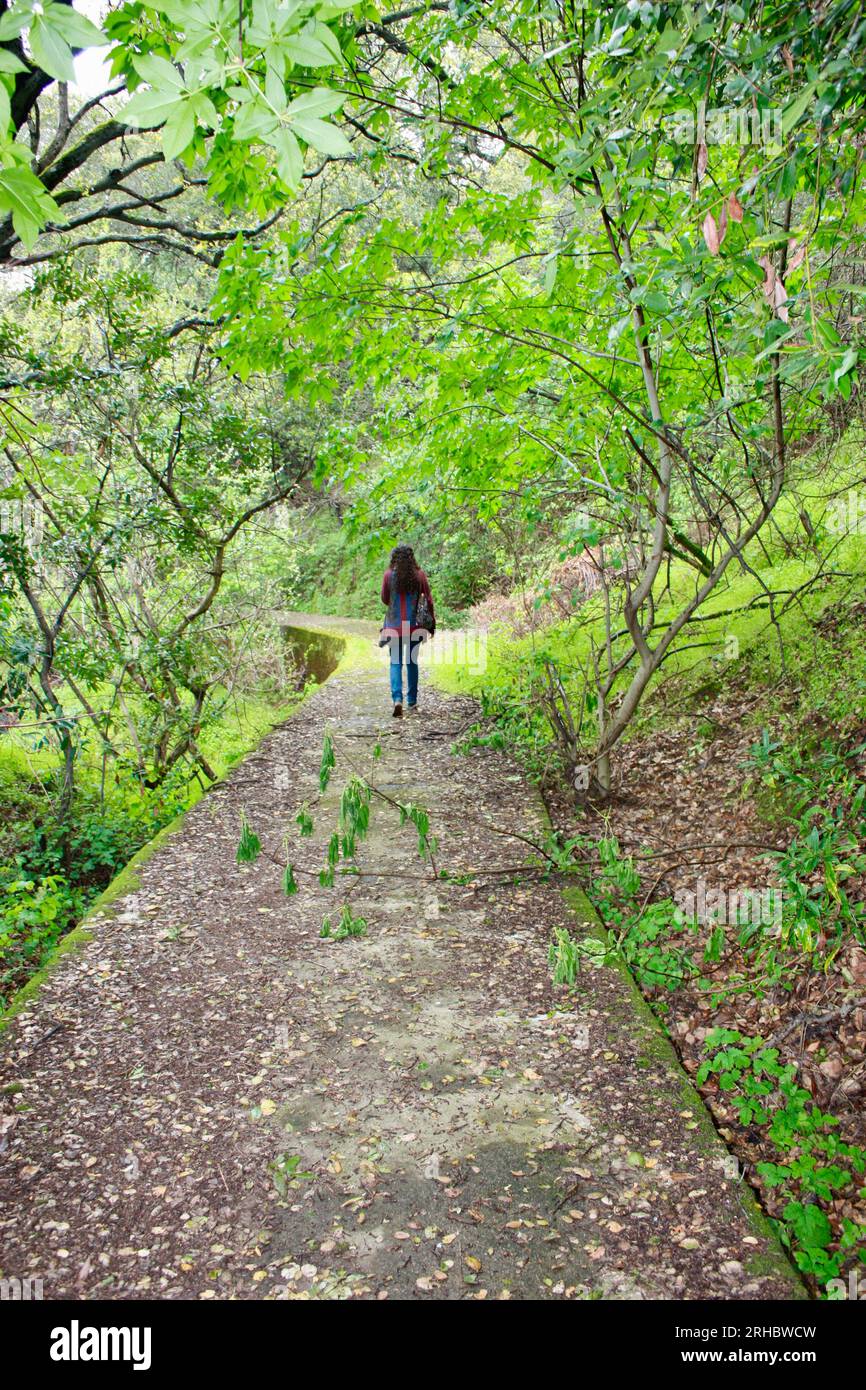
{"points": [[352, 646], [319, 652]]}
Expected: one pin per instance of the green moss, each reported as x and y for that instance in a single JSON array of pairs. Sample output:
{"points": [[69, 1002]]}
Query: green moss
{"points": [[353, 650], [72, 941], [762, 1263], [319, 652]]}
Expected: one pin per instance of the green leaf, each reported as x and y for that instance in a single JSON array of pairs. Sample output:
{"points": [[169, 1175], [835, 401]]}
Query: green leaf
{"points": [[178, 11], [249, 845], [9, 62], [11, 24], [314, 47], [150, 108], [332, 8], [159, 72], [327, 764], [323, 136], [50, 51], [275, 92], [30, 205], [844, 367], [75, 28], [254, 121], [793, 112], [178, 131], [290, 161], [204, 110], [320, 101], [811, 1227], [670, 41]]}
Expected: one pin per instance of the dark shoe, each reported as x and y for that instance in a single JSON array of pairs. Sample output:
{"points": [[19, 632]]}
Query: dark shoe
{"points": [[398, 711]]}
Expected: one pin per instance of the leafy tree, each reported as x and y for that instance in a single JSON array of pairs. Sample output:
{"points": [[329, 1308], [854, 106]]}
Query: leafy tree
{"points": [[633, 287], [234, 87], [144, 484]]}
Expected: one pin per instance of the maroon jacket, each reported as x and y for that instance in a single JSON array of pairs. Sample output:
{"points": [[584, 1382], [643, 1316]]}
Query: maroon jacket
{"points": [[424, 584]]}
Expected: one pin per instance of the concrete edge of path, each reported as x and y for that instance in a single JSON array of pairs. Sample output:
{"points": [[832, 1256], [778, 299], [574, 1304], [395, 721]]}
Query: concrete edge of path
{"points": [[121, 886], [775, 1259]]}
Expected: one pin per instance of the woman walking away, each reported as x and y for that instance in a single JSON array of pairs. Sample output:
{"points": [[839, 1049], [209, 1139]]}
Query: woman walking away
{"points": [[409, 622]]}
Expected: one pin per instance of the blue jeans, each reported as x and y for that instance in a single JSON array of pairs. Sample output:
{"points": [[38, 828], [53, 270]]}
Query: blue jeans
{"points": [[404, 652]]}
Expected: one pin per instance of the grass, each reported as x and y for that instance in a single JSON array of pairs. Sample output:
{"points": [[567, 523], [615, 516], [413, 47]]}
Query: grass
{"points": [[732, 632]]}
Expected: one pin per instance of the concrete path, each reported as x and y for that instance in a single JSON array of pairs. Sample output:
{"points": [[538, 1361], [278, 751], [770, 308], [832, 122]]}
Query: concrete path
{"points": [[208, 1100]]}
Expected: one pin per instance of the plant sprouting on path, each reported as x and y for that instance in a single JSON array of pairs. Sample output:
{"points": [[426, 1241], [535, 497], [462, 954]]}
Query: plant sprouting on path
{"points": [[353, 824]]}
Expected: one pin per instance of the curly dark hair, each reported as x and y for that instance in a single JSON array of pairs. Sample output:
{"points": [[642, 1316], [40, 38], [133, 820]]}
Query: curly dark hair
{"points": [[404, 570]]}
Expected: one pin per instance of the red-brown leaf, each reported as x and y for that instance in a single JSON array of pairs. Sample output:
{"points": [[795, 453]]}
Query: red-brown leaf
{"points": [[711, 234]]}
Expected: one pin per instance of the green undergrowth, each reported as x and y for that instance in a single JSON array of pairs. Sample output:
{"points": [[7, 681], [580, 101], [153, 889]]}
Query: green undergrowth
{"points": [[52, 873], [812, 1165], [803, 643], [340, 566]]}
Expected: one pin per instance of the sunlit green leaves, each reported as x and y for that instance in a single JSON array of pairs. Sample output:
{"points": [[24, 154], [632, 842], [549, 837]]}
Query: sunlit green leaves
{"points": [[28, 202], [9, 62], [305, 116], [314, 46], [255, 119], [223, 79], [169, 102], [290, 160], [197, 70], [152, 105], [53, 31], [50, 50]]}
